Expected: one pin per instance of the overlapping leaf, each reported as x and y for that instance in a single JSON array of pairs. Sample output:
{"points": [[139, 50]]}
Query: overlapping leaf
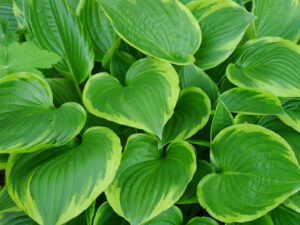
{"points": [[28, 119], [164, 29], [62, 182]]}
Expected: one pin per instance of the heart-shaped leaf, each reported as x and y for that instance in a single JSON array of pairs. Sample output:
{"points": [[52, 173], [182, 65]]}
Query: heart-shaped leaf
{"points": [[55, 185], [191, 113], [57, 29], [146, 101], [268, 23], [220, 37], [202, 221], [283, 215], [271, 64], [158, 30], [98, 25], [253, 101], [149, 181], [28, 119], [256, 170]]}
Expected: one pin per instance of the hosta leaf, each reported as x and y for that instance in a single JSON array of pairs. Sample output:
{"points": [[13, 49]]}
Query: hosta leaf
{"points": [[57, 29], [21, 10], [172, 216], [15, 217], [106, 215], [246, 119], [6, 203], [25, 57], [283, 215], [98, 25], [221, 120], [277, 19], [252, 101], [292, 137], [149, 181], [146, 101], [160, 28], [256, 171], [265, 220], [3, 160], [190, 194], [55, 185], [6, 12], [193, 76], [292, 116], [272, 64], [191, 113], [63, 91], [74, 3], [220, 35], [202, 221], [28, 119]]}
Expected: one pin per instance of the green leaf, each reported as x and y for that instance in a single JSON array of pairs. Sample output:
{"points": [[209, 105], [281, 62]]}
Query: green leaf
{"points": [[15, 217], [57, 29], [246, 119], [98, 25], [193, 76], [265, 220], [25, 57], [74, 3], [292, 137], [28, 119], [6, 203], [149, 181], [283, 215], [172, 216], [256, 170], [223, 24], [191, 113], [271, 64], [63, 91], [146, 101], [252, 101], [221, 120], [62, 182], [6, 12], [3, 160], [106, 215], [277, 19], [292, 117], [158, 30], [202, 221], [190, 194]]}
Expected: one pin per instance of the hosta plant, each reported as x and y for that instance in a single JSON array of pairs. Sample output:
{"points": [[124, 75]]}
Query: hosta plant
{"points": [[149, 112]]}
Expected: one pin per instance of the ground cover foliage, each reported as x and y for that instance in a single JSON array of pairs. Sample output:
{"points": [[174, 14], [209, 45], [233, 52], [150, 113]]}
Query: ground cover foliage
{"points": [[149, 112]]}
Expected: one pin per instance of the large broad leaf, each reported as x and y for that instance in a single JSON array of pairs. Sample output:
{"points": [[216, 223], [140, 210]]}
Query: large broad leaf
{"points": [[146, 101], [292, 137], [221, 120], [220, 35], [55, 185], [193, 76], [191, 113], [57, 29], [272, 64], [252, 101], [149, 181], [28, 119], [256, 170], [25, 57], [280, 18], [164, 29], [202, 221], [190, 193], [292, 117], [265, 220], [98, 25], [283, 215], [6, 12]]}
